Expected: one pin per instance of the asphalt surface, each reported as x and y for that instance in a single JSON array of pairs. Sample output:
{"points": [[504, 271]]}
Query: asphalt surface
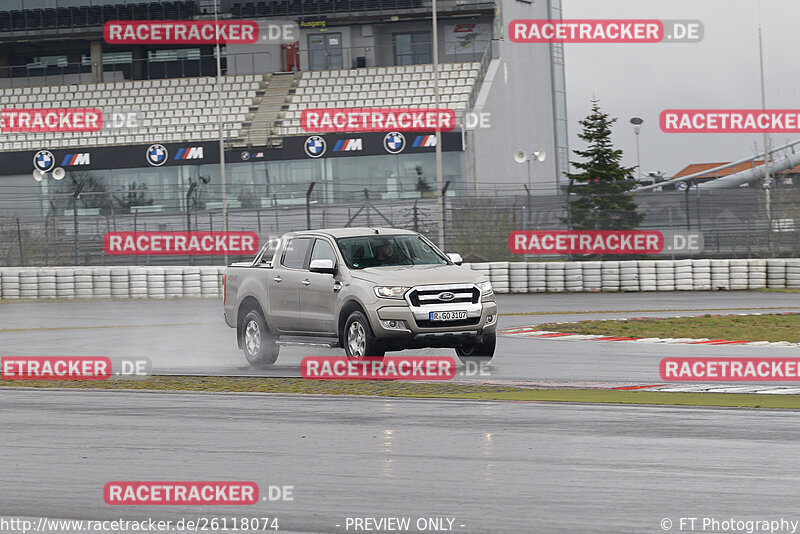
{"points": [[190, 336], [493, 467]]}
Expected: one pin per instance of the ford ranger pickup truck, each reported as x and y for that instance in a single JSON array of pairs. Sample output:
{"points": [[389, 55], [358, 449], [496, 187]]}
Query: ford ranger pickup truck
{"points": [[368, 290]]}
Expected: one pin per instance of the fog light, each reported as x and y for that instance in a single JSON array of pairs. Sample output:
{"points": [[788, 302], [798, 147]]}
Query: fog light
{"points": [[490, 319], [394, 324]]}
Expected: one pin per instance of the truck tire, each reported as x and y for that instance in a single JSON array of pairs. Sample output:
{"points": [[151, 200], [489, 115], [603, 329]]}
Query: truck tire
{"points": [[358, 339], [257, 343], [480, 352]]}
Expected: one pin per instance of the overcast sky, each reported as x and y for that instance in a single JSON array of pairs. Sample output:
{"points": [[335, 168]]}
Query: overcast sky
{"points": [[722, 71]]}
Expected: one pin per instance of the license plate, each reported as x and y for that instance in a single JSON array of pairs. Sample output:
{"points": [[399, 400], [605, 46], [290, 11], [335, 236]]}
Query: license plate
{"points": [[448, 315]]}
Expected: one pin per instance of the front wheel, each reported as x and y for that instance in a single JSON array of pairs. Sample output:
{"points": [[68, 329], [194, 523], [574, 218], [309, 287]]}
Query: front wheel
{"points": [[359, 342], [258, 346], [478, 352]]}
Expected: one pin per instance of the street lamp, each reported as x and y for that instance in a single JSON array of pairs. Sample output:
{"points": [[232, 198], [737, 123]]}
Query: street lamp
{"points": [[637, 122]]}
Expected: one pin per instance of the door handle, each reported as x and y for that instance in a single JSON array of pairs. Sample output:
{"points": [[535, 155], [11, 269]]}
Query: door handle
{"points": [[278, 279], [305, 282]]}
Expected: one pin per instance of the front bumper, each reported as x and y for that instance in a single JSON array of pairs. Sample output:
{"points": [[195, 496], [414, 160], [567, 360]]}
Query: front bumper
{"points": [[419, 332]]}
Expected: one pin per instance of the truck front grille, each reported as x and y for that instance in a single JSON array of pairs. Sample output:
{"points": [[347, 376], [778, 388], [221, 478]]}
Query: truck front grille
{"points": [[426, 296]]}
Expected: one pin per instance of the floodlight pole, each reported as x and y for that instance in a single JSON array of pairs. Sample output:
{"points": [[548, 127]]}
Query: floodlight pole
{"points": [[439, 180], [221, 133], [767, 180]]}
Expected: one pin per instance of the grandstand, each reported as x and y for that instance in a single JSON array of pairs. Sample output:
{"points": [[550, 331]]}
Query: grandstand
{"points": [[350, 54]]}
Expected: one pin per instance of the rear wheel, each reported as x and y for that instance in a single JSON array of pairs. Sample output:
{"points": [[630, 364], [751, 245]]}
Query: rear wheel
{"points": [[478, 352], [258, 345], [359, 341]]}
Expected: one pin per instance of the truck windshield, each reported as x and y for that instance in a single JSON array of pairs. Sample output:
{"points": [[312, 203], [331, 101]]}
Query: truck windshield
{"points": [[388, 250]]}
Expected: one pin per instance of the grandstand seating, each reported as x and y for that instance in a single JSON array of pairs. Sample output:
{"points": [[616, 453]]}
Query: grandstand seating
{"points": [[185, 109], [393, 86], [94, 15], [171, 110]]}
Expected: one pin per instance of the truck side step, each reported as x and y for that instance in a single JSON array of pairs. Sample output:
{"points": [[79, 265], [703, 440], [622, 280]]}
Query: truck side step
{"points": [[311, 342]]}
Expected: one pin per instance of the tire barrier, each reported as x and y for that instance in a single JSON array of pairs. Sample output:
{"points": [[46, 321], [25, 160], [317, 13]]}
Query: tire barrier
{"points": [[609, 276], [507, 277], [701, 275], [776, 273], [518, 276], [156, 283], [793, 273], [120, 283], [499, 275], [629, 275], [84, 288], [554, 272], [573, 278], [756, 274], [28, 283], [665, 275], [65, 283], [684, 275], [101, 280], [138, 282], [537, 277], [720, 275]]}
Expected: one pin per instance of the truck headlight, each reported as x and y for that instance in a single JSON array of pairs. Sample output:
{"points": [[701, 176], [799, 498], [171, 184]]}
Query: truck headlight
{"points": [[485, 287], [391, 292]]}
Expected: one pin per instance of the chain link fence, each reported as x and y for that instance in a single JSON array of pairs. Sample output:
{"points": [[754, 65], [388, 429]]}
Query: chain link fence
{"points": [[735, 223]]}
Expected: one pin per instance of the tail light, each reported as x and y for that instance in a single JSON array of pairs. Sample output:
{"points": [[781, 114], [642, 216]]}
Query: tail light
{"points": [[224, 288]]}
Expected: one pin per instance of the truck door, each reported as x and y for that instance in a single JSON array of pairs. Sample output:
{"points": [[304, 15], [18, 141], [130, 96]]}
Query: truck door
{"points": [[319, 292], [285, 283]]}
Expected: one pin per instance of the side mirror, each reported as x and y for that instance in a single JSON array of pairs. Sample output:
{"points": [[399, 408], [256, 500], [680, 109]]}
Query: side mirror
{"points": [[455, 258], [322, 266]]}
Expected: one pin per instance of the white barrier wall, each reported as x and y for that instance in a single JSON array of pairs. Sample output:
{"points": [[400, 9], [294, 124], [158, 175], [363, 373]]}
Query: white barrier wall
{"points": [[507, 277]]}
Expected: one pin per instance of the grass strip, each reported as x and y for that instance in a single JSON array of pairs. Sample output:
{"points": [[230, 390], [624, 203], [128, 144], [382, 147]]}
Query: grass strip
{"points": [[769, 327], [437, 390]]}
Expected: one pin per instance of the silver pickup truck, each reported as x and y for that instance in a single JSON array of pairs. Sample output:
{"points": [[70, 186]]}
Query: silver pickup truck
{"points": [[369, 290]]}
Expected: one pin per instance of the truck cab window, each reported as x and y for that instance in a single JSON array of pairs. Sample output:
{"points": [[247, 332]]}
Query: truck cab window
{"points": [[295, 255]]}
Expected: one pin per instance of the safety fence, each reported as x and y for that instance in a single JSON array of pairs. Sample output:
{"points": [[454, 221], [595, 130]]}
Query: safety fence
{"points": [[732, 223], [507, 277]]}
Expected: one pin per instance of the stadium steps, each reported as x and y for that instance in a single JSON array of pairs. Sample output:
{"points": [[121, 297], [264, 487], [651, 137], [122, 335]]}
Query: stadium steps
{"points": [[261, 129]]}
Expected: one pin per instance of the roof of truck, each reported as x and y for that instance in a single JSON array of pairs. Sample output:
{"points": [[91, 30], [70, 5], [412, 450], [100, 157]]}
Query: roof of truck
{"points": [[356, 231]]}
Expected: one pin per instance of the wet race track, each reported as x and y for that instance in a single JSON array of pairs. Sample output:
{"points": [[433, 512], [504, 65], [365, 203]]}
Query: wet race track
{"points": [[190, 336], [488, 466]]}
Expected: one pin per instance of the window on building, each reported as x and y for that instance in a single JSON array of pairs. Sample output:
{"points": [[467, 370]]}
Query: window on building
{"points": [[412, 48]]}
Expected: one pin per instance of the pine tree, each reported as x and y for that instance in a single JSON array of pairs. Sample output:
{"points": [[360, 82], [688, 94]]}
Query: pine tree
{"points": [[604, 201]]}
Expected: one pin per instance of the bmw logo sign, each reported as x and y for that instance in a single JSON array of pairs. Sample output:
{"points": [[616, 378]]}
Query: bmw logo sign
{"points": [[245, 155], [156, 155], [44, 160], [315, 146], [394, 142]]}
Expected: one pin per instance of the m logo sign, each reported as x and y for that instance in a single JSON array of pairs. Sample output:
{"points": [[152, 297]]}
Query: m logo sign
{"points": [[193, 152], [76, 159]]}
